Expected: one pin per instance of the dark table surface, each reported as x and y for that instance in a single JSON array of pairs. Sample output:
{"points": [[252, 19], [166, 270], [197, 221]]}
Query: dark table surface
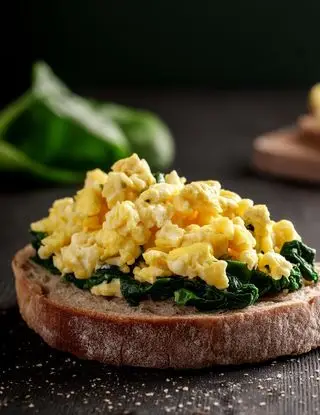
{"points": [[214, 133]]}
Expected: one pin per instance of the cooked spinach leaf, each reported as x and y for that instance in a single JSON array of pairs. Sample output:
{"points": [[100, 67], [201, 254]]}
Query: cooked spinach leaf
{"points": [[245, 286], [105, 274], [36, 238], [239, 269], [191, 292], [267, 285], [184, 296], [132, 290], [162, 289], [303, 256], [46, 263], [237, 295]]}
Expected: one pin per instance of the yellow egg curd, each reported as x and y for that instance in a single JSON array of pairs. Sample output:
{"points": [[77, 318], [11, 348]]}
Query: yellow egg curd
{"points": [[159, 229]]}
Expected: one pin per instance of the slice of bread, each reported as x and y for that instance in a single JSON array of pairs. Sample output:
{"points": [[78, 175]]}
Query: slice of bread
{"points": [[162, 334]]}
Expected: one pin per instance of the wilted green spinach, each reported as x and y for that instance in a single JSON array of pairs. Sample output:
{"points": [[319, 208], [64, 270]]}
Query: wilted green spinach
{"points": [[245, 286]]}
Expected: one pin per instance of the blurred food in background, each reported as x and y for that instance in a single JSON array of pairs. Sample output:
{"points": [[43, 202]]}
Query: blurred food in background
{"points": [[309, 124], [293, 153], [55, 135]]}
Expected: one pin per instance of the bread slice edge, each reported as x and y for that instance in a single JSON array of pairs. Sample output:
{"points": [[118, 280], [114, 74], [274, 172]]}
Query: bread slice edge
{"points": [[288, 326]]}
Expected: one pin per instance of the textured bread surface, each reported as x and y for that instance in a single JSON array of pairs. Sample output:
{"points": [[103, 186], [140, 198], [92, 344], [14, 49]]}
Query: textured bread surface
{"points": [[162, 334]]}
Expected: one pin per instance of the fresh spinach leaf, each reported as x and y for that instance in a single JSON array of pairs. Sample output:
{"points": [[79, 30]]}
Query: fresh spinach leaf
{"points": [[55, 135], [61, 130], [147, 134]]}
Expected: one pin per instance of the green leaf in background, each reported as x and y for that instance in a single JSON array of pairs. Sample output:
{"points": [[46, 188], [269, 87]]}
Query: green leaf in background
{"points": [[146, 133], [160, 178], [57, 135]]}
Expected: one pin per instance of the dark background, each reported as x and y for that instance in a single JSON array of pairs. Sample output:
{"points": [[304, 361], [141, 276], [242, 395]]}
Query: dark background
{"points": [[170, 57], [212, 44]]}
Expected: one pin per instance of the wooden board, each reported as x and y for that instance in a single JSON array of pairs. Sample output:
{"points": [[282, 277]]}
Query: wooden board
{"points": [[283, 153]]}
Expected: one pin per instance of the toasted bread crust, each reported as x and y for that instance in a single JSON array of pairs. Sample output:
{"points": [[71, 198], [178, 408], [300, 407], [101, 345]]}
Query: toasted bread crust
{"points": [[289, 325]]}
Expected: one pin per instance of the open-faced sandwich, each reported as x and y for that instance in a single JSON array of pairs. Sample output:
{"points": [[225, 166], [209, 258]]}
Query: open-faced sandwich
{"points": [[151, 270]]}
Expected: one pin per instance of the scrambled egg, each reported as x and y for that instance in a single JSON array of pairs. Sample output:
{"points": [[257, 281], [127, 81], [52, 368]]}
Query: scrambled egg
{"points": [[110, 289], [126, 218], [197, 260], [155, 266]]}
